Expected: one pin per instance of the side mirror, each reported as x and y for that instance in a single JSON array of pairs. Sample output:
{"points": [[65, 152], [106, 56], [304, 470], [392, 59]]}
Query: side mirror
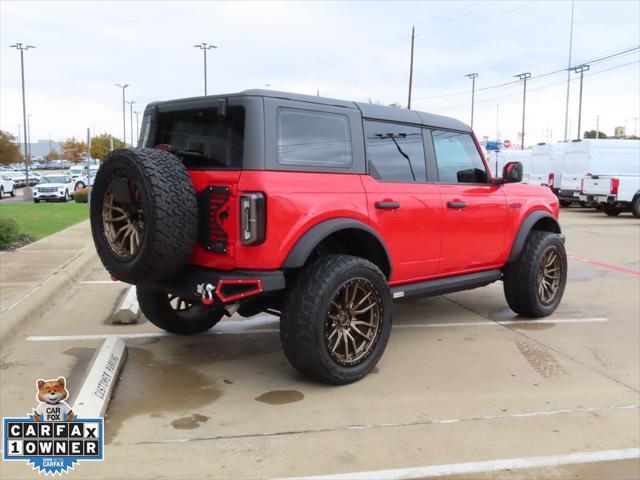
{"points": [[512, 172]]}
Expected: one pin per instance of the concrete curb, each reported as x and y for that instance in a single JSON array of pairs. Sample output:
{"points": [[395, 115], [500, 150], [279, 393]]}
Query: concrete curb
{"points": [[38, 299], [128, 310], [94, 395]]}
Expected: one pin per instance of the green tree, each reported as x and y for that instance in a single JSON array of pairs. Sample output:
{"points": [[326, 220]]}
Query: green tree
{"points": [[592, 134], [52, 155], [74, 150], [9, 149], [101, 145]]}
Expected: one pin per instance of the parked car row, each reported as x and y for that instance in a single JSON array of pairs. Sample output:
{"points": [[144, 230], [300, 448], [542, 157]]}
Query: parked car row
{"points": [[600, 173]]}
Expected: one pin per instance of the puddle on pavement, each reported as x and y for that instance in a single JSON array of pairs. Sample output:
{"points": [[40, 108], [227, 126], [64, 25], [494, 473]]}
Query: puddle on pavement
{"points": [[280, 397], [151, 386], [189, 423]]}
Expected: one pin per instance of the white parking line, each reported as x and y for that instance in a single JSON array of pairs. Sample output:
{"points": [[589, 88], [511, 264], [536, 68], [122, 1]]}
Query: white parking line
{"points": [[486, 466], [246, 327]]}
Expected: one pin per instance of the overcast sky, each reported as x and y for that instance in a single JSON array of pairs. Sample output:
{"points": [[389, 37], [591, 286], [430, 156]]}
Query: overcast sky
{"points": [[353, 51]]}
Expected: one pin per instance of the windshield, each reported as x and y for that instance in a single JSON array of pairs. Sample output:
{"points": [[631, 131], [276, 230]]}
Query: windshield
{"points": [[52, 179], [201, 138]]}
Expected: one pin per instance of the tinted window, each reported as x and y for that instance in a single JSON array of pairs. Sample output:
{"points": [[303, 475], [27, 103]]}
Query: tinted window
{"points": [[458, 158], [309, 138], [395, 152], [202, 138]]}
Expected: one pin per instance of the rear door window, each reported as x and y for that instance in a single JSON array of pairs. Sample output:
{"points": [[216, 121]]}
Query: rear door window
{"points": [[314, 139], [395, 152], [458, 158], [203, 139]]}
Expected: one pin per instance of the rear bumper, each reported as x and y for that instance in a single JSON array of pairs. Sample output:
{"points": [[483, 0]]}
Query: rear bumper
{"points": [[220, 286], [569, 195]]}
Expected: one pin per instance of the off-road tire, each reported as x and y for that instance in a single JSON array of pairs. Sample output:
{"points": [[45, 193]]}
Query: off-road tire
{"points": [[170, 214], [156, 307], [304, 312], [520, 280], [635, 207], [612, 211]]}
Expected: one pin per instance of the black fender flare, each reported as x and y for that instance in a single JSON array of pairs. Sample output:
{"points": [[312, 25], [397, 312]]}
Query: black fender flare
{"points": [[316, 234], [526, 227]]}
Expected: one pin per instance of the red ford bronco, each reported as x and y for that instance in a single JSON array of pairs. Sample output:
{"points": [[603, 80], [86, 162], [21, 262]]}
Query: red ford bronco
{"points": [[322, 212]]}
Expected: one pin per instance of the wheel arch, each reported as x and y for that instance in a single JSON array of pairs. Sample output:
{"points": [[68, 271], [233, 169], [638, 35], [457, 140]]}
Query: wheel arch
{"points": [[340, 235], [539, 220]]}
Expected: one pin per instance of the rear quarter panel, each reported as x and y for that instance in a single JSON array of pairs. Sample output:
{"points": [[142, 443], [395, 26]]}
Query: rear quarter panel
{"points": [[297, 201]]}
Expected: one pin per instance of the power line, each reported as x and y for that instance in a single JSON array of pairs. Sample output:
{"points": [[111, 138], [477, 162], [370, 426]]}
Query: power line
{"points": [[626, 51], [491, 99]]}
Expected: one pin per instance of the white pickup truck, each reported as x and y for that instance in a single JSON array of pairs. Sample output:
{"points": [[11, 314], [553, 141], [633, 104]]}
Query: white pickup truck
{"points": [[614, 184]]}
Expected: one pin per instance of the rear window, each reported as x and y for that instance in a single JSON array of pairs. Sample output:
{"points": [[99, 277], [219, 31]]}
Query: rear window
{"points": [[314, 139], [203, 139]]}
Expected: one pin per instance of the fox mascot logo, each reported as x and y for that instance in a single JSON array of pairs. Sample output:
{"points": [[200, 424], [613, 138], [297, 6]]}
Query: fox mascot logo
{"points": [[52, 407]]}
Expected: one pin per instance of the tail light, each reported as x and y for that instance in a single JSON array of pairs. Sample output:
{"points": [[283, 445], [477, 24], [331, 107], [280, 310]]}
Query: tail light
{"points": [[615, 183], [551, 180], [252, 218]]}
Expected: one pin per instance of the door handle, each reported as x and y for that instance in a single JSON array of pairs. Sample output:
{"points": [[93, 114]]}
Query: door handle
{"points": [[387, 205], [456, 204]]}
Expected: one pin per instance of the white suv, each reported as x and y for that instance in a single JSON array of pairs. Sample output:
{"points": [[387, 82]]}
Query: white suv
{"points": [[53, 187], [6, 186]]}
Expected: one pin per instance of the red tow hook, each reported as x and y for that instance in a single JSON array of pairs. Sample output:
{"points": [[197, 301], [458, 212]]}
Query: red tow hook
{"points": [[207, 294]]}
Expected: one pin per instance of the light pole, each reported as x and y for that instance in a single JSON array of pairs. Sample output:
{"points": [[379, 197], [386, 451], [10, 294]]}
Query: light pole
{"points": [[22, 48], [28, 132], [580, 69], [523, 76], [473, 77], [566, 108], [204, 47], [131, 102], [124, 127], [137, 127], [413, 38]]}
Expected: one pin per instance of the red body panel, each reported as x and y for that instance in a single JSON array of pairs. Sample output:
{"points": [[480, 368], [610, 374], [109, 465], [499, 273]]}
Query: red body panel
{"points": [[425, 238]]}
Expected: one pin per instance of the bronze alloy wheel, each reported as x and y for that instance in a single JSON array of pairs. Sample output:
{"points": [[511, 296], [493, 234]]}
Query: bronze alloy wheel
{"points": [[353, 322], [549, 275], [123, 219]]}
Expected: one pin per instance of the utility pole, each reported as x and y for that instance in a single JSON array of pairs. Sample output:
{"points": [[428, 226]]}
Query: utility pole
{"points": [[413, 37], [580, 69], [20, 140], [131, 102], [22, 48], [137, 127], [124, 126], [523, 77], [204, 47], [566, 108], [597, 126], [473, 77]]}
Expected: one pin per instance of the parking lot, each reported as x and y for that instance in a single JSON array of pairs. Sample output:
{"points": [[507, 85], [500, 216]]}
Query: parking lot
{"points": [[462, 380]]}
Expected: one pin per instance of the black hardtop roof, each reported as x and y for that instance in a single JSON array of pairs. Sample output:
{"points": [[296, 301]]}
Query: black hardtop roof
{"points": [[375, 112]]}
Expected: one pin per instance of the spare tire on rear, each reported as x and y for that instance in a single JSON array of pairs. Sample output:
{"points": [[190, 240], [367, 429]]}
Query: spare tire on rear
{"points": [[144, 214]]}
